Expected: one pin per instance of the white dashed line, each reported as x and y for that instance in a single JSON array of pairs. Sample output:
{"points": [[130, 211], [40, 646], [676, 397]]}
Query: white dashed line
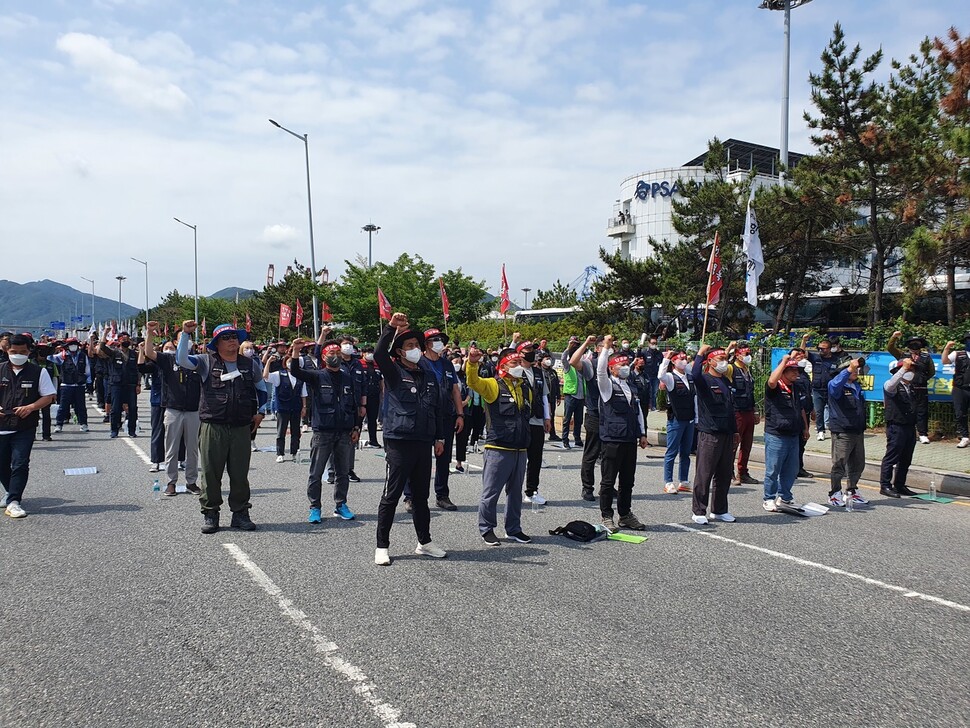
{"points": [[361, 684], [906, 592]]}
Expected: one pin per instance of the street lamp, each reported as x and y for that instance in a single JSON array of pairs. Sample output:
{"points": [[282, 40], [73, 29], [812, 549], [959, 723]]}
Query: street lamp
{"points": [[370, 228], [148, 312], [313, 256], [787, 6], [195, 246], [120, 279], [526, 292], [91, 281]]}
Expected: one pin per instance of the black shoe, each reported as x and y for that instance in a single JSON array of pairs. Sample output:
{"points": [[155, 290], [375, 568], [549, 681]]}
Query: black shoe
{"points": [[588, 495], [408, 506], [331, 478], [240, 520], [746, 479], [354, 478], [554, 438], [519, 537], [490, 539], [903, 490], [446, 504], [47, 438], [170, 489], [210, 522], [888, 492], [113, 435], [565, 445], [193, 489], [459, 469], [804, 474], [106, 419], [579, 443]]}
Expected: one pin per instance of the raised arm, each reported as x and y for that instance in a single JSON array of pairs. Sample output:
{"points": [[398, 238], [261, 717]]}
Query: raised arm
{"points": [[603, 371], [182, 356]]}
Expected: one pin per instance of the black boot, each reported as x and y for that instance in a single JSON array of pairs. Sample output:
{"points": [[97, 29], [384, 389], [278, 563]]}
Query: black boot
{"points": [[888, 492], [588, 494], [210, 521], [903, 490], [241, 520]]}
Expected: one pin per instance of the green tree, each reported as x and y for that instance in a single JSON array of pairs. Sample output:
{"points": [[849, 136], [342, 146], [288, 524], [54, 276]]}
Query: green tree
{"points": [[559, 296]]}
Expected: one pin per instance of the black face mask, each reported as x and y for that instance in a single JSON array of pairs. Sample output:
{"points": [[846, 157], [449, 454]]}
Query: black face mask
{"points": [[529, 356], [333, 361], [125, 344]]}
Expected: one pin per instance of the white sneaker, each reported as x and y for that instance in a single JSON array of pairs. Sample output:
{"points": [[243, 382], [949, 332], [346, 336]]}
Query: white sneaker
{"points": [[779, 501], [769, 505], [699, 520], [14, 510], [429, 549], [382, 557], [837, 500], [670, 488], [924, 440], [280, 458], [538, 499], [964, 441], [821, 436], [726, 517], [84, 428], [858, 499], [3, 501], [57, 428], [155, 468], [253, 446]]}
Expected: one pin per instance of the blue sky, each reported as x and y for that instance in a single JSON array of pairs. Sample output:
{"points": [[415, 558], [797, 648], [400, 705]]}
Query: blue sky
{"points": [[473, 133]]}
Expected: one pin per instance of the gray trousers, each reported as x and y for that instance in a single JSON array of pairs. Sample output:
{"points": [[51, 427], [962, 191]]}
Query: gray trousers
{"points": [[848, 459], [503, 470], [324, 445], [179, 424]]}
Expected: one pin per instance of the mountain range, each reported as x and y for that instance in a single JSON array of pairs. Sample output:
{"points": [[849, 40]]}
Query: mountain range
{"points": [[33, 306]]}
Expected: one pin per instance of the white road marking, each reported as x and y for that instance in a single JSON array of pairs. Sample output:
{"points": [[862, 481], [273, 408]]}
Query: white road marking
{"points": [[361, 684], [138, 450], [906, 592]]}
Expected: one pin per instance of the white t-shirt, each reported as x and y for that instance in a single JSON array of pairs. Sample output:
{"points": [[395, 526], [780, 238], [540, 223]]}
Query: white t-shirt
{"points": [[298, 387], [46, 390]]}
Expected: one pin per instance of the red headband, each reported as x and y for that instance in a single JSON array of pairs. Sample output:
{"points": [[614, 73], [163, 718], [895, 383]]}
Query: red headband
{"points": [[620, 359], [681, 355], [712, 353], [504, 360], [331, 348]]}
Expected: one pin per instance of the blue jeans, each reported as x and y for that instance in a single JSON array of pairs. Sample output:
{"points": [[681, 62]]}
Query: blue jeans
{"points": [[573, 410], [15, 462], [781, 465], [651, 385], [680, 439], [820, 402]]}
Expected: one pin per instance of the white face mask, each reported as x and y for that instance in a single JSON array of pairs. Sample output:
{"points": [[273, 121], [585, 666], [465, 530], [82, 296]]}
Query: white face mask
{"points": [[625, 345], [18, 360], [547, 362], [346, 349], [908, 376], [72, 348], [623, 372], [721, 366], [836, 349], [802, 363], [437, 346], [517, 372], [653, 346], [413, 355], [368, 357], [495, 360], [746, 359], [680, 365]]}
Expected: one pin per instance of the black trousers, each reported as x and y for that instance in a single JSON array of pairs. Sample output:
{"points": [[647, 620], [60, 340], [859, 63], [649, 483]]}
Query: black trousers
{"points": [[99, 390], [961, 405], [572, 417], [408, 461], [477, 415], [714, 467], [157, 445], [537, 438], [921, 397], [619, 461], [373, 408], [443, 462], [45, 422], [122, 394], [591, 451], [900, 443], [287, 420]]}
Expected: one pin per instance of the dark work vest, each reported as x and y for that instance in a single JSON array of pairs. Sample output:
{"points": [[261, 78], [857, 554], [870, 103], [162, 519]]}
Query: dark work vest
{"points": [[619, 421], [123, 371], [921, 372], [900, 408], [538, 388], [72, 373], [680, 400], [742, 387], [961, 371], [181, 388], [783, 412], [846, 413], [508, 420], [411, 408], [18, 391], [334, 405], [231, 402], [287, 400]]}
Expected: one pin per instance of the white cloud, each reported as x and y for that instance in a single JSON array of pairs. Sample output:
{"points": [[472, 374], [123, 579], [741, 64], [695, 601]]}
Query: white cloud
{"points": [[11, 25], [277, 234], [132, 83]]}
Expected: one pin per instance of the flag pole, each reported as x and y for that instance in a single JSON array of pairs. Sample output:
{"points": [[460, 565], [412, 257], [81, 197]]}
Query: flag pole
{"points": [[707, 294]]}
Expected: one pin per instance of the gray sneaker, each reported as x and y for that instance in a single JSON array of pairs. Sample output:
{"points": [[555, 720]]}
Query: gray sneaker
{"points": [[631, 522], [609, 525]]}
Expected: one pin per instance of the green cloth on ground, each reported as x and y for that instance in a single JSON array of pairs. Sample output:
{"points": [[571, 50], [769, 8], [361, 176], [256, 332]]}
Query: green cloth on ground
{"points": [[626, 537]]}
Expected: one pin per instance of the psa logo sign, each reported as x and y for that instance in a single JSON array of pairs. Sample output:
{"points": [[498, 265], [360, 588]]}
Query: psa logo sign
{"points": [[664, 189]]}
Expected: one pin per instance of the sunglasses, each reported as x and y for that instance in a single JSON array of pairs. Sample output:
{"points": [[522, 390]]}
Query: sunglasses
{"points": [[229, 337]]}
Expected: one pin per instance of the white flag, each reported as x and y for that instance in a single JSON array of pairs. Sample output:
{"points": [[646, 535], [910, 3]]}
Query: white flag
{"points": [[751, 245]]}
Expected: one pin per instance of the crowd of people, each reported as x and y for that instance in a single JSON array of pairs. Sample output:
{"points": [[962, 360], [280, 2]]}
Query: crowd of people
{"points": [[432, 401]]}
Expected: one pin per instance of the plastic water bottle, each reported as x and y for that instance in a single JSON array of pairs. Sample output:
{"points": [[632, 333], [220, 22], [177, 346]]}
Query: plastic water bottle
{"points": [[849, 504], [559, 462], [156, 490], [933, 489], [535, 506]]}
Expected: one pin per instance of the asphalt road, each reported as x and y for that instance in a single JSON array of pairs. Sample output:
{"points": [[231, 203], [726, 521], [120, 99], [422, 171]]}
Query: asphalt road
{"points": [[119, 612]]}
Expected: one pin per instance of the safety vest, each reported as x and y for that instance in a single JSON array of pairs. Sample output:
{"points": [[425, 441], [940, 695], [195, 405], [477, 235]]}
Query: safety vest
{"points": [[230, 402], [508, 419], [619, 420], [19, 390]]}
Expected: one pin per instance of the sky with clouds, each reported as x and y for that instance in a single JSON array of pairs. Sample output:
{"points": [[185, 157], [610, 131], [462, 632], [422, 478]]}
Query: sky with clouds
{"points": [[474, 133]]}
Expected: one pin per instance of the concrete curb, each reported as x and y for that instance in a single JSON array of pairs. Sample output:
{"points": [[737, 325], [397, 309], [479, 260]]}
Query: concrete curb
{"points": [[947, 481]]}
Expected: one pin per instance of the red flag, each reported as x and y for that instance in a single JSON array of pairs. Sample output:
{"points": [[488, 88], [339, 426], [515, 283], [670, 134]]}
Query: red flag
{"points": [[114, 330], [505, 292], [234, 324], [204, 332], [166, 331], [299, 313], [383, 305], [715, 280], [444, 298], [285, 314], [327, 317], [249, 323]]}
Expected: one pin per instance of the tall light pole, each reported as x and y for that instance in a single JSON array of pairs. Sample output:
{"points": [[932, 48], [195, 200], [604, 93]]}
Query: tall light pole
{"points": [[370, 228], [195, 247], [526, 292], [120, 279], [91, 281], [148, 311], [786, 6], [313, 256]]}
